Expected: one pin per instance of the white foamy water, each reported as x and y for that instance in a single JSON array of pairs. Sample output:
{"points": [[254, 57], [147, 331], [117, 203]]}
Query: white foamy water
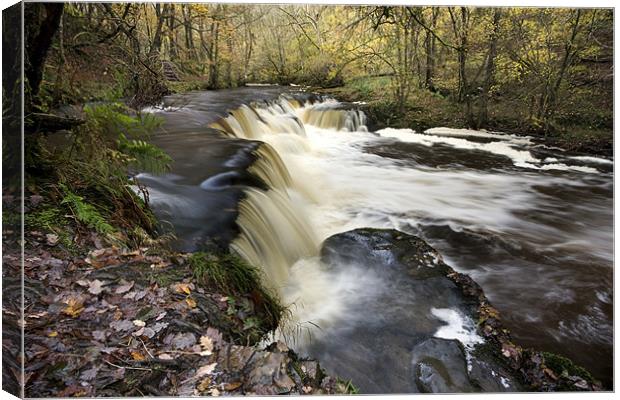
{"points": [[326, 181], [442, 131], [458, 326], [592, 159], [508, 145]]}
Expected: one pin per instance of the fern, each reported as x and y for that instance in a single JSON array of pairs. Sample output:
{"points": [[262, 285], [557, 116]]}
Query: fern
{"points": [[86, 213], [113, 118], [143, 155]]}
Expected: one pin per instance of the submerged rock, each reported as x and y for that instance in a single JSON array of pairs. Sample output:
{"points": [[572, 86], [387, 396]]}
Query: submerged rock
{"points": [[424, 327]]}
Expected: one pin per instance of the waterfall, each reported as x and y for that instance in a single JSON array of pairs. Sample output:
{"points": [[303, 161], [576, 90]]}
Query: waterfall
{"points": [[326, 115], [274, 234], [274, 230]]}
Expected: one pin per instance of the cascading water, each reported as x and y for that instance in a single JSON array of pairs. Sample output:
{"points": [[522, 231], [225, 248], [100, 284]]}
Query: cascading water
{"points": [[531, 224]]}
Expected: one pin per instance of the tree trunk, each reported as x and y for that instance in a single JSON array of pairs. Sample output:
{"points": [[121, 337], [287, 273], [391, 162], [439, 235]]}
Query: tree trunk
{"points": [[213, 59], [552, 90], [156, 45], [430, 53], [57, 97], [187, 24], [173, 51], [38, 34], [483, 118]]}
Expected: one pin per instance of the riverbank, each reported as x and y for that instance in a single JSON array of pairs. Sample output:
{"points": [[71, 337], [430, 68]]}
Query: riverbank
{"points": [[425, 110], [102, 320]]}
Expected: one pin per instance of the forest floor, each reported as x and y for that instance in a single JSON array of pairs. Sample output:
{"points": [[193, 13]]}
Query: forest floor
{"points": [[107, 321], [425, 109]]}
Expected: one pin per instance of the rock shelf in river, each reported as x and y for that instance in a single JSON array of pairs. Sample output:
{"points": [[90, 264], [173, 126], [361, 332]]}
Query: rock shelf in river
{"points": [[472, 353]]}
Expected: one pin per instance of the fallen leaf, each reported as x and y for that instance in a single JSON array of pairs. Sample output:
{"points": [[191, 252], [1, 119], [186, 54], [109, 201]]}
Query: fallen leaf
{"points": [[148, 332], [74, 307], [190, 302], [182, 288], [206, 343], [137, 356], [139, 332], [123, 325], [204, 385], [183, 340], [216, 336], [52, 334], [165, 357], [124, 288], [138, 322], [204, 370], [232, 386], [51, 239], [89, 374], [159, 326], [99, 335], [95, 287], [214, 392]]}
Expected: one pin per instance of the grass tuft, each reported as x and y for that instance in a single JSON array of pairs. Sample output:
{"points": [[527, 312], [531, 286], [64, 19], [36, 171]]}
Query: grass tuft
{"points": [[234, 277]]}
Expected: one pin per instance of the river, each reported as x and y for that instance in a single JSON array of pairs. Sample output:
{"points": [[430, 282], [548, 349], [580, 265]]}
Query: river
{"points": [[533, 225]]}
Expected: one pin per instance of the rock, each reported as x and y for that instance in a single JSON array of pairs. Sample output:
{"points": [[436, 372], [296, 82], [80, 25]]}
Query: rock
{"points": [[393, 338], [440, 366]]}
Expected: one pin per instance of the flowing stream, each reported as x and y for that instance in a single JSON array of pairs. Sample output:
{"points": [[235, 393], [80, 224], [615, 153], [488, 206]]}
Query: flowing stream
{"points": [[532, 225]]}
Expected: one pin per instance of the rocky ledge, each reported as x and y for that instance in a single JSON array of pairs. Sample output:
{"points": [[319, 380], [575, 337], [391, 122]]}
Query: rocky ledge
{"points": [[436, 362]]}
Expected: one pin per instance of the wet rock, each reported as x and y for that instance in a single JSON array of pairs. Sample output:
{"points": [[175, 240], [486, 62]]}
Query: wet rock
{"points": [[440, 366], [399, 342]]}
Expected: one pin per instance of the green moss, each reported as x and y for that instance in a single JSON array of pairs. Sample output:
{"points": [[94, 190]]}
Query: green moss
{"points": [[562, 366]]}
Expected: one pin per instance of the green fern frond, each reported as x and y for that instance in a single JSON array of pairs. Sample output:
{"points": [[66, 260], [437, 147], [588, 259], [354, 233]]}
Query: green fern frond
{"points": [[144, 156], [86, 213]]}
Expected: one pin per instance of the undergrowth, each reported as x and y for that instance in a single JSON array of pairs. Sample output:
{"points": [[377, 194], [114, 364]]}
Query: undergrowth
{"points": [[87, 181], [229, 274], [562, 366]]}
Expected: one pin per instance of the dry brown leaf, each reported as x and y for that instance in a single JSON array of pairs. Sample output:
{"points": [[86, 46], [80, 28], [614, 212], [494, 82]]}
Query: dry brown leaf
{"points": [[51, 239], [204, 385], [95, 287], [137, 356], [182, 288], [232, 386], [205, 369], [190, 302], [206, 343], [74, 307], [124, 288]]}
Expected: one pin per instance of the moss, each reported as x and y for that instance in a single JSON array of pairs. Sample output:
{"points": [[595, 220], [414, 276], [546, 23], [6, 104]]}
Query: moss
{"points": [[562, 366]]}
